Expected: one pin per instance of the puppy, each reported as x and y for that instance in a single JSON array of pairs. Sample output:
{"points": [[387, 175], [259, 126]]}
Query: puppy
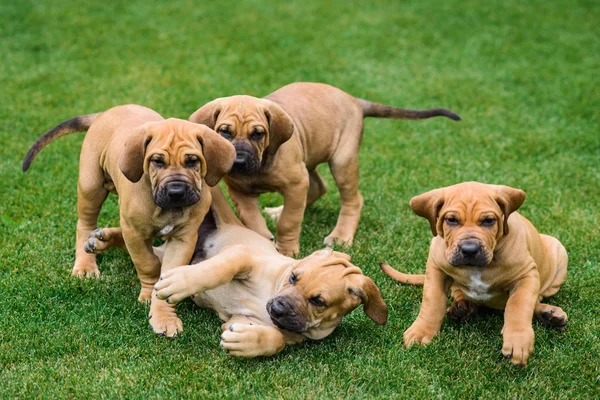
{"points": [[490, 255], [267, 300], [159, 169], [281, 138]]}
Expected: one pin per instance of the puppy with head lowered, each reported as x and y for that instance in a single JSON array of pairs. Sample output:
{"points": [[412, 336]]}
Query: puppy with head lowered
{"points": [[160, 170], [281, 138], [266, 299], [486, 254]]}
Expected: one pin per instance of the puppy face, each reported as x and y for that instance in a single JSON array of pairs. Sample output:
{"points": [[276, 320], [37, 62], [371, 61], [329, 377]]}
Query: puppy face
{"points": [[319, 290], [177, 156], [255, 127], [471, 217]]}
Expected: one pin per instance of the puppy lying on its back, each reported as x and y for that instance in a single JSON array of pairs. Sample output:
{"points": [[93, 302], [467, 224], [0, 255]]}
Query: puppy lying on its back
{"points": [[160, 169], [490, 255]]}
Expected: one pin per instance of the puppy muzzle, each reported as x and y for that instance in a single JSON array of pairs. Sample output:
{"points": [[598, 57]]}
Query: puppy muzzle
{"points": [[470, 253], [176, 194], [246, 162], [283, 315]]}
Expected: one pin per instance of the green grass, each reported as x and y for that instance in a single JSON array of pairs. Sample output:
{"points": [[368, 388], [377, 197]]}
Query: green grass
{"points": [[523, 75]]}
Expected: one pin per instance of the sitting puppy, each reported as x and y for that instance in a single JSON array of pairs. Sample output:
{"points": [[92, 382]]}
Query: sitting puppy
{"points": [[267, 300], [489, 255], [158, 168], [280, 140]]}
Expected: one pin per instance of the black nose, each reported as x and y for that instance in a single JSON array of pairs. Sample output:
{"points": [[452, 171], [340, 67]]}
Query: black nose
{"points": [[241, 157], [176, 190], [469, 248], [279, 308]]}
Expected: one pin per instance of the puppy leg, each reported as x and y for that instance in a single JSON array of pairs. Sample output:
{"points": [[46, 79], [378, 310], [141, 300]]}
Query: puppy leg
{"points": [[344, 168], [243, 338], [90, 196], [316, 188], [433, 308], [289, 224], [557, 257], [147, 265], [249, 211], [102, 239], [461, 309], [234, 261], [518, 331], [178, 251]]}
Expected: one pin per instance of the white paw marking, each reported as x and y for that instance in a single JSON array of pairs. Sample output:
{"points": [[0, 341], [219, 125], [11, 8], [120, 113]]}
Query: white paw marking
{"points": [[166, 230]]}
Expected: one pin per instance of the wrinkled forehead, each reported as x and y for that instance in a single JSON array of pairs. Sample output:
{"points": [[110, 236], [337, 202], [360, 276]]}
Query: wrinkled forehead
{"points": [[469, 201], [239, 109], [174, 136]]}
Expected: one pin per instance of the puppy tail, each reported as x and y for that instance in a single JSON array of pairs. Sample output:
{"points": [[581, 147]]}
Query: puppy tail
{"points": [[377, 110], [407, 279], [77, 124]]}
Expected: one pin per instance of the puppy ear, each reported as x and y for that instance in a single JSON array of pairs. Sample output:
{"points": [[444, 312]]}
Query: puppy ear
{"points": [[207, 114], [281, 127], [131, 162], [219, 155], [428, 205], [369, 293], [509, 200]]}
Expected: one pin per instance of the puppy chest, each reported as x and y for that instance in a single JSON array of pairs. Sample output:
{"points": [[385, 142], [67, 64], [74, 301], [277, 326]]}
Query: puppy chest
{"points": [[476, 288]]}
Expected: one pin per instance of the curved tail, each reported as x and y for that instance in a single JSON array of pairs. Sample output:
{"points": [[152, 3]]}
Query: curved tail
{"points": [[407, 279], [377, 110], [77, 124]]}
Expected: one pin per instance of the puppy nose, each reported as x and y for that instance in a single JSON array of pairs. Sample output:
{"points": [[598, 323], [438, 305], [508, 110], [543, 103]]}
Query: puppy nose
{"points": [[279, 308], [176, 190], [241, 157], [469, 248]]}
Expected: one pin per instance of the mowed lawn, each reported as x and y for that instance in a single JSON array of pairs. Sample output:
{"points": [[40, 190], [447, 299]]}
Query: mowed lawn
{"points": [[524, 76]]}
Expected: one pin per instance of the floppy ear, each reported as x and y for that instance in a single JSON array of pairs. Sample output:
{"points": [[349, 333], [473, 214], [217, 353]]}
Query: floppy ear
{"points": [[219, 155], [281, 127], [131, 162], [369, 293], [207, 114], [509, 200], [428, 205]]}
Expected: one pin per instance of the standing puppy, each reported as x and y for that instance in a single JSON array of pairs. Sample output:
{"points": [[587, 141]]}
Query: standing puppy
{"points": [[490, 255], [281, 138], [159, 169]]}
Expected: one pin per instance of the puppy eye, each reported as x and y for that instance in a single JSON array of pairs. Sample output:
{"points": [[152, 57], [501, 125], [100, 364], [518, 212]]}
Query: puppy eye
{"points": [[488, 222], [191, 162], [225, 132], [292, 279], [157, 162], [257, 135], [316, 301], [451, 221]]}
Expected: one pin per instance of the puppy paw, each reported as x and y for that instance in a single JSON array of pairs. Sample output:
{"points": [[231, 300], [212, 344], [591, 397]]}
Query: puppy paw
{"points": [[145, 295], [95, 242], [418, 334], [87, 270], [174, 286], [166, 323], [273, 212], [518, 345], [340, 238], [289, 251], [461, 311], [552, 317], [245, 340]]}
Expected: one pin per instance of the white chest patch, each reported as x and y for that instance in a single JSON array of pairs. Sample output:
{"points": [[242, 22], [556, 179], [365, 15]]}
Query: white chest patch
{"points": [[478, 290], [166, 230]]}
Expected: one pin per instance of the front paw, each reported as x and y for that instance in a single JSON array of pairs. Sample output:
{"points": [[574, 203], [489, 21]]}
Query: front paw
{"points": [[518, 345], [174, 285], [246, 340], [86, 270], [165, 322], [418, 334], [288, 250]]}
